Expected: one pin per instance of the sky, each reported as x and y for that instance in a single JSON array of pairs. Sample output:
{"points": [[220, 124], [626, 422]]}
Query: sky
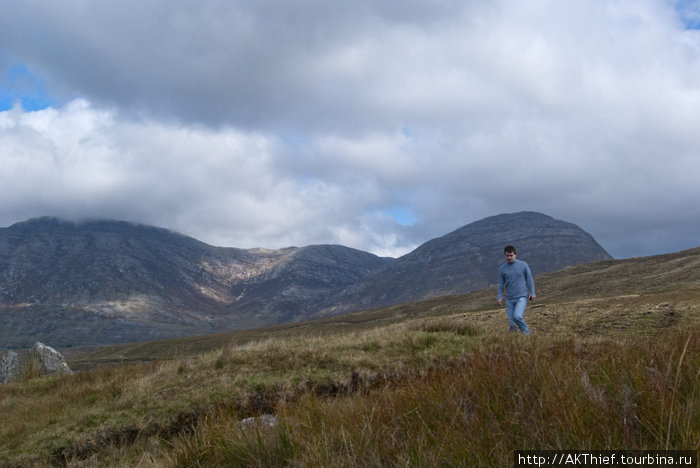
{"points": [[375, 124]]}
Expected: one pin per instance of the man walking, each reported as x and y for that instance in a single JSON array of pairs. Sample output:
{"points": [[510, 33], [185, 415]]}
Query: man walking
{"points": [[515, 276]]}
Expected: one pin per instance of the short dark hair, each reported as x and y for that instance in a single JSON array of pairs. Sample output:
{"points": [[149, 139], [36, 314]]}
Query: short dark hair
{"points": [[509, 249]]}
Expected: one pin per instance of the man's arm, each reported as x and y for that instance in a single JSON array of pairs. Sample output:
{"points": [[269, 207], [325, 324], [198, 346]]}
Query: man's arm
{"points": [[530, 283], [499, 296]]}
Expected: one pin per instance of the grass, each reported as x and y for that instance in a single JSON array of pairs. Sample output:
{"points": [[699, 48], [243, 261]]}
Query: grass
{"points": [[472, 409], [508, 395], [433, 383]]}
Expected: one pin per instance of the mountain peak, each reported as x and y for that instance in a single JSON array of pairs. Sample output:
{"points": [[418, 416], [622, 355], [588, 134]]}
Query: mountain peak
{"points": [[467, 259]]}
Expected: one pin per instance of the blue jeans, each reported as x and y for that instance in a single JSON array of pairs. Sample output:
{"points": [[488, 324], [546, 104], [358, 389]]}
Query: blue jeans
{"points": [[515, 309]]}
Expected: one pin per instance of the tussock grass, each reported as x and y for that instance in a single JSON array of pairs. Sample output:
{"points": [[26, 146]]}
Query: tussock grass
{"points": [[70, 417], [457, 400], [446, 325], [476, 409]]}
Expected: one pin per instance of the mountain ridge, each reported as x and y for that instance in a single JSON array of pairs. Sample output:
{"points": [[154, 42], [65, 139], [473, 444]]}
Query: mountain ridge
{"points": [[477, 246], [103, 281]]}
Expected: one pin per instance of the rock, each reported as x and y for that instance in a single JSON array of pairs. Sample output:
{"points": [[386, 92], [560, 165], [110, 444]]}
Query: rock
{"points": [[42, 360], [10, 368], [266, 421], [47, 360]]}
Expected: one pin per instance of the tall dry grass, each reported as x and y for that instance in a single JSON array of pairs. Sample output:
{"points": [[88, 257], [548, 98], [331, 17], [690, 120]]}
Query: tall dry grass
{"points": [[475, 410], [427, 392], [69, 418]]}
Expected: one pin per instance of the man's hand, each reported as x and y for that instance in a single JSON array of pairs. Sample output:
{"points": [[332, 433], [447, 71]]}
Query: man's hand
{"points": [[500, 301], [532, 298]]}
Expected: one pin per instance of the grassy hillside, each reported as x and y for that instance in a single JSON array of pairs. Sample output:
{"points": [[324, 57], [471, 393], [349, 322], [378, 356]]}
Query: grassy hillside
{"points": [[613, 362]]}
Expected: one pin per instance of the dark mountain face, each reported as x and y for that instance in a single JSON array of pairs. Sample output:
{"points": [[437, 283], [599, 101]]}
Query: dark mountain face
{"points": [[467, 259], [304, 280], [104, 282]]}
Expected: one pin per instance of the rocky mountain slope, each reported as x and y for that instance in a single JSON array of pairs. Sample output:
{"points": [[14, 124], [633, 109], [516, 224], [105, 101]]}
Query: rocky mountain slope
{"points": [[101, 282], [106, 282], [467, 259]]}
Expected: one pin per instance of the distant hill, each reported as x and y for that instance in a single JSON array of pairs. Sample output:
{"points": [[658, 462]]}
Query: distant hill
{"points": [[467, 259], [99, 282], [102, 282]]}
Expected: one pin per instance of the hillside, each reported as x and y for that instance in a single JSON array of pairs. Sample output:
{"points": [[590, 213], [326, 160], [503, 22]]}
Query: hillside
{"points": [[612, 364], [467, 260], [103, 282]]}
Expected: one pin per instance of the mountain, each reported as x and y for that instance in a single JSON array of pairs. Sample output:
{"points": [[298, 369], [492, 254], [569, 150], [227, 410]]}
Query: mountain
{"points": [[467, 259], [294, 287], [102, 281], [99, 282]]}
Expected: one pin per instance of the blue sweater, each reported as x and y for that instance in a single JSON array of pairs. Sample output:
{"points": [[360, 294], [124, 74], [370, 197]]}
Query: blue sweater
{"points": [[516, 278]]}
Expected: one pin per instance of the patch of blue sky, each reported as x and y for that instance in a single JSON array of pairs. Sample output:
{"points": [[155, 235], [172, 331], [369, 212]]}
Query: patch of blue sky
{"points": [[21, 86], [403, 216], [295, 140], [408, 132], [689, 13]]}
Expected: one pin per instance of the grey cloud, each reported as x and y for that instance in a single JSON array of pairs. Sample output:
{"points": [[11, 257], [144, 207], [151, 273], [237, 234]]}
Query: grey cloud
{"points": [[269, 123], [296, 64]]}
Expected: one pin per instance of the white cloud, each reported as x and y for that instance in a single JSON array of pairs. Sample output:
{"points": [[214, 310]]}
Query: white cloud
{"points": [[269, 123], [223, 186]]}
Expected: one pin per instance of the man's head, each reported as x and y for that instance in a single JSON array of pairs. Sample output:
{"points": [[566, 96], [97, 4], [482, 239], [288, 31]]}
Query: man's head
{"points": [[510, 253]]}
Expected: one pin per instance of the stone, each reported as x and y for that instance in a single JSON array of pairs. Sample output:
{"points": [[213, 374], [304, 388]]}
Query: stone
{"points": [[48, 360], [10, 369], [266, 421]]}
